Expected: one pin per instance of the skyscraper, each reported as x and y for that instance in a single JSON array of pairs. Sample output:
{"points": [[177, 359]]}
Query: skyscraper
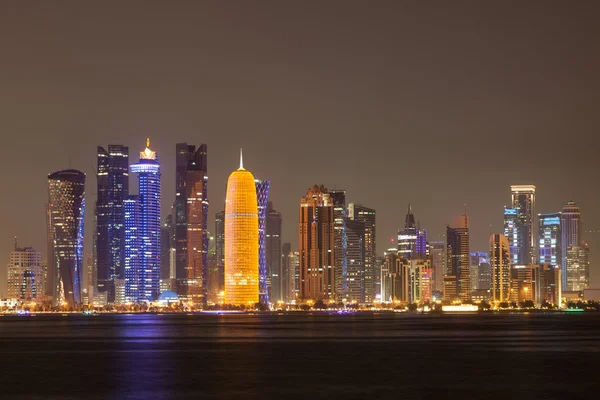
{"points": [[287, 281], [355, 253], [220, 247], [142, 231], [52, 288], [571, 234], [275, 271], [262, 197], [479, 266], [436, 252], [25, 275], [113, 187], [191, 221], [511, 222], [241, 239], [367, 215], [317, 269], [457, 253], [340, 240], [550, 238], [66, 192], [523, 200], [578, 268], [500, 267]]}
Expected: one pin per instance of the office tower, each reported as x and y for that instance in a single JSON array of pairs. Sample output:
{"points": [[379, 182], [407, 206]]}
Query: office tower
{"points": [[367, 216], [275, 273], [437, 256], [191, 219], [317, 269], [241, 239], [66, 195], [412, 241], [550, 284], [478, 263], [388, 268], [340, 239], [485, 276], [500, 267], [52, 286], [112, 179], [457, 254], [523, 200], [220, 247], [287, 281], [511, 221], [294, 268], [355, 253], [91, 271], [400, 279], [25, 275], [419, 281], [550, 238], [262, 196], [524, 284], [571, 234], [578, 268], [142, 231], [166, 244]]}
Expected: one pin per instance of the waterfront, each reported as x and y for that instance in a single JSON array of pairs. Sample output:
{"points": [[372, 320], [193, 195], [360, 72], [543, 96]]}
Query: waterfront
{"points": [[328, 356]]}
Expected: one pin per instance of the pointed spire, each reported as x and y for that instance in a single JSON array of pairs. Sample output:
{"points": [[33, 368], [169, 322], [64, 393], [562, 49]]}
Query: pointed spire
{"points": [[409, 221], [241, 160]]}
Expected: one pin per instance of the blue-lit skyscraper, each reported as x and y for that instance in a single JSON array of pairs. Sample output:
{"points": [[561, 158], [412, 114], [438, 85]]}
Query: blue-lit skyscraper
{"points": [[262, 196], [412, 241], [549, 239], [511, 217], [142, 232]]}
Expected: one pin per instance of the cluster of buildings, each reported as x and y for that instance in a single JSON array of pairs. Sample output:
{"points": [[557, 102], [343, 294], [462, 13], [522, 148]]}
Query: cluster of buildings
{"points": [[138, 257]]}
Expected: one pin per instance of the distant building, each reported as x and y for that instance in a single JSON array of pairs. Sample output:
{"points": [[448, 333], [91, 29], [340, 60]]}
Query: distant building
{"points": [[523, 200], [500, 267], [367, 216], [419, 281], [524, 284], [578, 268], [167, 242], [66, 190], [550, 284], [262, 197], [287, 277], [220, 247], [142, 231], [457, 254], [396, 282], [571, 235], [340, 216], [275, 270], [511, 221], [438, 265], [25, 275], [355, 278], [113, 187], [317, 269], [550, 239], [412, 241], [479, 270]]}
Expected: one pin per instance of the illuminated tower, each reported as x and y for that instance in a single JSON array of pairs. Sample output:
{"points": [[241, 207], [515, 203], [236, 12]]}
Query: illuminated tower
{"points": [[262, 196], [113, 186], [412, 241], [241, 239], [340, 234], [549, 239], [523, 200], [499, 267], [142, 232], [191, 221], [66, 190], [457, 253], [571, 232], [220, 247], [275, 271], [317, 271], [25, 275], [367, 215]]}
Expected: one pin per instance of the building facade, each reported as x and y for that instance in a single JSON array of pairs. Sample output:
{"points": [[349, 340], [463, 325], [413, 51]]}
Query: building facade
{"points": [[457, 254], [241, 239], [66, 192], [499, 267], [275, 270], [356, 269], [220, 247], [340, 216], [25, 275], [316, 247], [523, 200], [262, 198], [112, 187], [142, 231], [367, 216], [571, 234], [550, 239], [578, 268], [438, 265]]}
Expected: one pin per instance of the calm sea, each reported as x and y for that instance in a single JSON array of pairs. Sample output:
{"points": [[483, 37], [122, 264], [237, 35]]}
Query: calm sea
{"points": [[300, 356]]}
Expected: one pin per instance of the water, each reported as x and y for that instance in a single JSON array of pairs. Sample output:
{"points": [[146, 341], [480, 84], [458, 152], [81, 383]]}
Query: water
{"points": [[318, 356]]}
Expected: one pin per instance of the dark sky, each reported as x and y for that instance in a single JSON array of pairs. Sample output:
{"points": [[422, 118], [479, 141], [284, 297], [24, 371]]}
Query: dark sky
{"points": [[435, 103]]}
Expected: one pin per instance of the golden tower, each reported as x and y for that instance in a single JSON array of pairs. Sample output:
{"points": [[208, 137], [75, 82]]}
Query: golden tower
{"points": [[241, 239]]}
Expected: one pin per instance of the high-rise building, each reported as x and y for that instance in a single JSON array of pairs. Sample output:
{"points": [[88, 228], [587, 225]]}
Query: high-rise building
{"points": [[275, 270], [571, 234], [317, 268], [479, 262], [66, 192], [340, 214], [500, 267], [241, 239], [167, 242], [550, 238], [437, 256], [294, 268], [524, 284], [550, 284], [523, 200], [52, 287], [578, 268], [412, 241], [511, 222], [262, 197], [419, 281], [457, 254], [113, 187], [220, 247], [355, 253], [142, 231], [25, 275], [191, 221], [287, 282], [367, 216]]}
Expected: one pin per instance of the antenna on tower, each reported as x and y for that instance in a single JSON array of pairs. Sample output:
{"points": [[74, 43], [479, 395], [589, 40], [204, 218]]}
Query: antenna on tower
{"points": [[16, 246], [241, 160], [465, 209]]}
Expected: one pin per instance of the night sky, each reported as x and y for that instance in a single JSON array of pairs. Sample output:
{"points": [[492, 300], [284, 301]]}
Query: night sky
{"points": [[434, 103]]}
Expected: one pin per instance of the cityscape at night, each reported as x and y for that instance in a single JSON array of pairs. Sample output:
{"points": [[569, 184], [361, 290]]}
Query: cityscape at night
{"points": [[257, 193]]}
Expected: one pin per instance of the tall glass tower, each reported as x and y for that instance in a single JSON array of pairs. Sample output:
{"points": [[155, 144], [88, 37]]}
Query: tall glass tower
{"points": [[142, 231], [262, 196], [571, 235], [500, 267], [66, 204], [340, 235], [113, 187], [367, 215], [241, 239], [523, 200], [549, 239], [275, 271]]}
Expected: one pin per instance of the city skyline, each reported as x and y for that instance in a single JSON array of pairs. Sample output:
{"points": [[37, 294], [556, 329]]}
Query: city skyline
{"points": [[440, 113]]}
